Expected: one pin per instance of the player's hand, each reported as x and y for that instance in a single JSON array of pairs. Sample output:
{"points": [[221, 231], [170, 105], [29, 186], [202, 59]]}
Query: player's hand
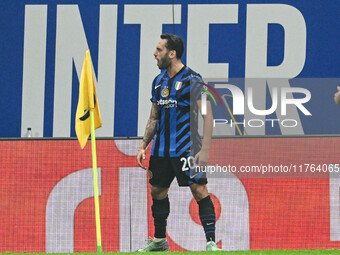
{"points": [[337, 96], [140, 157], [203, 157]]}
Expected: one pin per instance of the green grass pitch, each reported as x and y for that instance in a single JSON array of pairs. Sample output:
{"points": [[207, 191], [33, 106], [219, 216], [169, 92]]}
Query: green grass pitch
{"points": [[280, 252]]}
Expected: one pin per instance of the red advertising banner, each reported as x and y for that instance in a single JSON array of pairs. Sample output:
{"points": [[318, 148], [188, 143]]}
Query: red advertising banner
{"points": [[269, 193]]}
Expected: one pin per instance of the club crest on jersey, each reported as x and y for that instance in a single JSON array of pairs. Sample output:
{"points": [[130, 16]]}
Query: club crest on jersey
{"points": [[178, 85], [165, 92]]}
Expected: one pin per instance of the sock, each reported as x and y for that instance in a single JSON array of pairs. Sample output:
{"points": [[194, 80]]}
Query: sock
{"points": [[207, 216], [160, 212]]}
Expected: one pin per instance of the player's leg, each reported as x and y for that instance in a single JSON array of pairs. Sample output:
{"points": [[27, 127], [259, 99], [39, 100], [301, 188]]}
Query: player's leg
{"points": [[206, 211], [197, 183], [205, 208], [160, 180], [160, 210]]}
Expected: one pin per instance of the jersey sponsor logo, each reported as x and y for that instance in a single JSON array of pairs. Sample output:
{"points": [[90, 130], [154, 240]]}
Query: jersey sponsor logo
{"points": [[167, 103], [158, 86]]}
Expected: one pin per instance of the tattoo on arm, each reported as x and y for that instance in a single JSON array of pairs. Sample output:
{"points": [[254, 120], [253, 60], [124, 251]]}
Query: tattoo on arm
{"points": [[151, 126]]}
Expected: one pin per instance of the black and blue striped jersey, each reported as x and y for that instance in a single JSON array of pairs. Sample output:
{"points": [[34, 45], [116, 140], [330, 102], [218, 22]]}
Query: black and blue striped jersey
{"points": [[177, 129]]}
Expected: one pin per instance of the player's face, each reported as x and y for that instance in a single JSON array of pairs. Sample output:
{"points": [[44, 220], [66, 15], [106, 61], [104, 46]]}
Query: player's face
{"points": [[161, 54]]}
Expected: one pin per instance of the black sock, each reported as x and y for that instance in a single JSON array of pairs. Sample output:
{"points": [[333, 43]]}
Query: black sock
{"points": [[207, 216], [160, 212]]}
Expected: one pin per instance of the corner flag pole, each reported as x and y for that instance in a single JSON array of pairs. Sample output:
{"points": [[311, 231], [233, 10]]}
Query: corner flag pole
{"points": [[95, 183], [87, 120]]}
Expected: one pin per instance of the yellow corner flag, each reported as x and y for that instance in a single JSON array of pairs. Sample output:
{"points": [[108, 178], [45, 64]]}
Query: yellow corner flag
{"points": [[87, 120], [87, 102]]}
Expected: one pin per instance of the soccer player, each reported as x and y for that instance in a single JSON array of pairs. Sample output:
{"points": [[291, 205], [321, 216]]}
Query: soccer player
{"points": [[176, 95]]}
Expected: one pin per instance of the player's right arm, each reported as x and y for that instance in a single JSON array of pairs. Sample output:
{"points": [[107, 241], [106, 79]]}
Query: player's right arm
{"points": [[150, 131]]}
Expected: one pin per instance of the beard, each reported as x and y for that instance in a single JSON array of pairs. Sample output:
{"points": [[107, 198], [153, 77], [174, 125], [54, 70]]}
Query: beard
{"points": [[164, 62]]}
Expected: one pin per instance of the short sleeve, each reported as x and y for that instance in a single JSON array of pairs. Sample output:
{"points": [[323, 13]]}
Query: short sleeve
{"points": [[153, 91], [196, 88]]}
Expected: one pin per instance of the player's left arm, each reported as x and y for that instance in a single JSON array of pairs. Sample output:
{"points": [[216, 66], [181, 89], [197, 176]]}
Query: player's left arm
{"points": [[203, 154]]}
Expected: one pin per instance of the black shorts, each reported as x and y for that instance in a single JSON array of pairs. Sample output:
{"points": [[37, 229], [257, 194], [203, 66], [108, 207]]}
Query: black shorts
{"points": [[163, 171]]}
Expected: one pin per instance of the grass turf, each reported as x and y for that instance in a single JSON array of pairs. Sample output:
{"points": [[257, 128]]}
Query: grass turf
{"points": [[276, 252], [300, 252]]}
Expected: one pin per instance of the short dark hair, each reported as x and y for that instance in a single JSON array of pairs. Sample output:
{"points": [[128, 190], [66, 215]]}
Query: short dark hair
{"points": [[174, 42]]}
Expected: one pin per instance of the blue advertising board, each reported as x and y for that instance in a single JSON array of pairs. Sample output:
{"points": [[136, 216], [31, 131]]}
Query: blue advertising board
{"points": [[43, 43]]}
